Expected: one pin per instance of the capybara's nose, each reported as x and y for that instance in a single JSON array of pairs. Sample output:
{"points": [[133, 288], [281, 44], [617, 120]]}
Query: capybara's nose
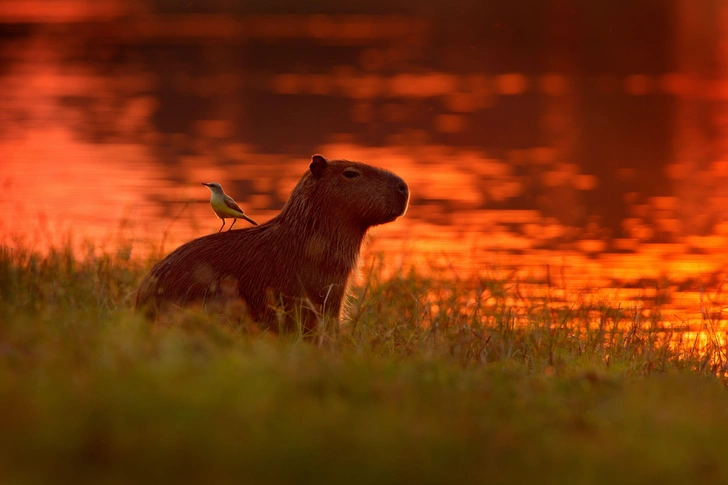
{"points": [[402, 188]]}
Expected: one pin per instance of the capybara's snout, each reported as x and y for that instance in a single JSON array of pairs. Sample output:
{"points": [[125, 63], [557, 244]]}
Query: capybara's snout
{"points": [[401, 195], [403, 188]]}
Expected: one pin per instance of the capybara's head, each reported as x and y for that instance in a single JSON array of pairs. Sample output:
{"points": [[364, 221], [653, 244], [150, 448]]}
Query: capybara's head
{"points": [[352, 192]]}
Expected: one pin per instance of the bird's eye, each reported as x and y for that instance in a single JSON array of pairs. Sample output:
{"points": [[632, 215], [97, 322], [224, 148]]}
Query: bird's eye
{"points": [[350, 174]]}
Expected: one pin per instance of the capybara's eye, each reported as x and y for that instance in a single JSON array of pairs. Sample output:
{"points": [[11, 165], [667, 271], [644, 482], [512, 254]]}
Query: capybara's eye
{"points": [[350, 174]]}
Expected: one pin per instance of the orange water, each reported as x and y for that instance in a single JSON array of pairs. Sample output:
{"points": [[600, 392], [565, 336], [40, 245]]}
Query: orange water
{"points": [[491, 153]]}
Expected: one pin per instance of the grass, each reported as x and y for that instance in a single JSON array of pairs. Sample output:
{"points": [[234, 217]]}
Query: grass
{"points": [[432, 380]]}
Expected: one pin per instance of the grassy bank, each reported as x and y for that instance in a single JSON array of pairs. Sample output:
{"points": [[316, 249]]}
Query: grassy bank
{"points": [[433, 380]]}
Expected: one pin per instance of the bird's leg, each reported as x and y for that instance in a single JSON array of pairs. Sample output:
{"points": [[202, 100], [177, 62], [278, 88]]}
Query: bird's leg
{"points": [[231, 225], [223, 225]]}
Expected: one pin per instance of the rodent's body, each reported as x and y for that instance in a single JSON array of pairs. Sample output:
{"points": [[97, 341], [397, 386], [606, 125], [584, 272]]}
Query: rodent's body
{"points": [[300, 260]]}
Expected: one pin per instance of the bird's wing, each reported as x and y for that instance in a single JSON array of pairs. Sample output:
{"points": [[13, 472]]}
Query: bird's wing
{"points": [[232, 204]]}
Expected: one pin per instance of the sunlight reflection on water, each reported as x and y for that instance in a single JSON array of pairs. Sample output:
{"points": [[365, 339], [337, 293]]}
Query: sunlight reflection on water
{"points": [[109, 126]]}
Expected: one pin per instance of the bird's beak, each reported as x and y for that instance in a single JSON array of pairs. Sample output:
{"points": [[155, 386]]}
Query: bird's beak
{"points": [[203, 183]]}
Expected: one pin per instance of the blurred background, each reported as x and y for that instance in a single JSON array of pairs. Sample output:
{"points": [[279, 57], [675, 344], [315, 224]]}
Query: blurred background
{"points": [[531, 132]]}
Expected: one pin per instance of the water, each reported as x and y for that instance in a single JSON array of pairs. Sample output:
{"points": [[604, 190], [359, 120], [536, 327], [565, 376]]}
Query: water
{"points": [[561, 140]]}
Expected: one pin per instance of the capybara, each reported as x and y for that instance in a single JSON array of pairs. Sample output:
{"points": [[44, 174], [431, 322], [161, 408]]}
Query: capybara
{"points": [[294, 268]]}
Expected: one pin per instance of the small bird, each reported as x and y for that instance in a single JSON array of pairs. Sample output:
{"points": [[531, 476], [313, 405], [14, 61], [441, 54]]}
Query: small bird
{"points": [[225, 207]]}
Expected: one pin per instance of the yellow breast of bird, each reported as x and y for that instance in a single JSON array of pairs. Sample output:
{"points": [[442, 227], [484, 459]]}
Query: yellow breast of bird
{"points": [[221, 208]]}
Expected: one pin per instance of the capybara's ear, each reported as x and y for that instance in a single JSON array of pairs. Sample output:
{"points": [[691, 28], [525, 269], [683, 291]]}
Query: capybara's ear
{"points": [[318, 165]]}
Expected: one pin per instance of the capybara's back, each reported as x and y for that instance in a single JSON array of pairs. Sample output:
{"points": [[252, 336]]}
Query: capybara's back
{"points": [[299, 261]]}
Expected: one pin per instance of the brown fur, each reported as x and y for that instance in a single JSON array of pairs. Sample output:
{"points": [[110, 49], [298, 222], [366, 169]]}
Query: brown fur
{"points": [[301, 260]]}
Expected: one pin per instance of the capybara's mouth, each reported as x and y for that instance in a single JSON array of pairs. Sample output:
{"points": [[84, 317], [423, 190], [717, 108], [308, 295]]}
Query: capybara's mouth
{"points": [[401, 209], [404, 196], [398, 209]]}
